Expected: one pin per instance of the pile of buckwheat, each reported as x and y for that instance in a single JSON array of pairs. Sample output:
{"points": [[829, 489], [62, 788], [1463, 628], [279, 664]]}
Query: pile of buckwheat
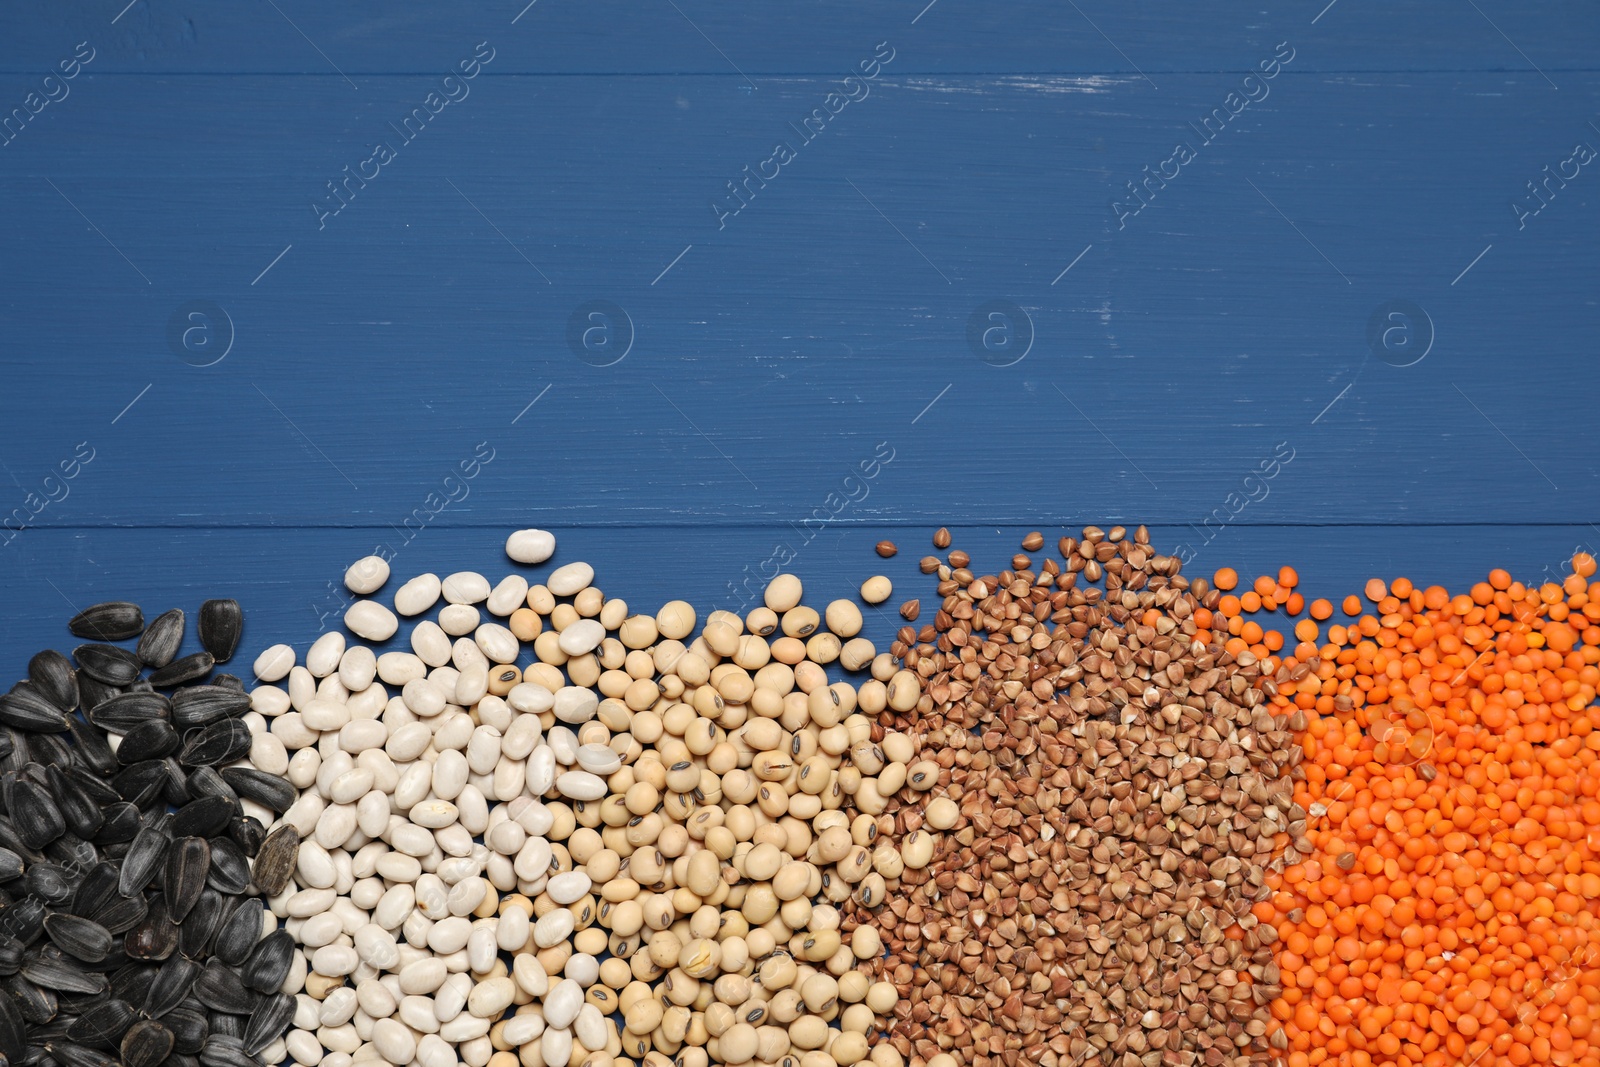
{"points": [[1109, 793]]}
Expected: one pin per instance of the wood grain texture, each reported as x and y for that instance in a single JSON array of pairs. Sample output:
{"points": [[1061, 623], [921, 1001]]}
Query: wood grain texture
{"points": [[1184, 339]]}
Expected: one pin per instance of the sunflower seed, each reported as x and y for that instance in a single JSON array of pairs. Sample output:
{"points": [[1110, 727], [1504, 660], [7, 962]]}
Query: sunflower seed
{"points": [[221, 1051], [94, 751], [154, 937], [268, 790], [187, 862], [122, 823], [52, 971], [189, 1029], [220, 989], [225, 1025], [13, 1035], [275, 862], [161, 639], [221, 623], [72, 851], [185, 669], [146, 1044], [204, 817], [172, 983], [49, 882], [121, 914], [142, 782], [92, 692], [175, 789], [120, 713], [37, 1005], [51, 750], [269, 962], [145, 857], [239, 932], [206, 782], [103, 1024], [247, 832], [200, 926], [229, 681], [83, 939], [268, 1022], [230, 869], [81, 814], [27, 709], [107, 663], [34, 814], [96, 889], [24, 920], [93, 784], [152, 739], [72, 1054], [221, 742], [115, 620], [199, 705]]}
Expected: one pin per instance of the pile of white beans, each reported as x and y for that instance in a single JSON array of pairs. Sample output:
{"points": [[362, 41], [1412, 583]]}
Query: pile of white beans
{"points": [[629, 829]]}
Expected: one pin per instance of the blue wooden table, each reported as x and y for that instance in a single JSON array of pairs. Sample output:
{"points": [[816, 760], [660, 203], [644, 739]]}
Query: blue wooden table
{"points": [[702, 287]]}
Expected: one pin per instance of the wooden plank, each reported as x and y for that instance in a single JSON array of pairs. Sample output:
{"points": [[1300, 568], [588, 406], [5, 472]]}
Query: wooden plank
{"points": [[820, 36], [283, 577], [825, 320]]}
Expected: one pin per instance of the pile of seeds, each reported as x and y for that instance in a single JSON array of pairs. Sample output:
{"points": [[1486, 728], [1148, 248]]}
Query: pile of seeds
{"points": [[474, 836], [1112, 790], [128, 926]]}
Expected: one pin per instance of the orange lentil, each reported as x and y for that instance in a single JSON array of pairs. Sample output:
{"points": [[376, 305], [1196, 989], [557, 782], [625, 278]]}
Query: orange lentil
{"points": [[1225, 579], [1449, 909]]}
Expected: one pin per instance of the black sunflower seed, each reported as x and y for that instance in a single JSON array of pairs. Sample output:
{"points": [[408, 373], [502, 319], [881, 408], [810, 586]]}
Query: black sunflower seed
{"points": [[145, 857], [148, 740], [224, 1025], [96, 889], [132, 982], [70, 850], [24, 920], [239, 932], [110, 664], [221, 623], [269, 962], [184, 669], [141, 783], [25, 708], [102, 1025], [51, 750], [199, 705], [247, 832], [268, 1022], [53, 971], [269, 790], [122, 823], [155, 937], [48, 882], [72, 1054], [189, 1029], [34, 814], [275, 861], [92, 692], [200, 926], [94, 751], [95, 785], [221, 742], [175, 790], [147, 1043], [38, 1005], [52, 674], [13, 1035], [10, 865], [220, 989], [229, 681], [120, 713], [161, 639], [222, 1051], [206, 782], [188, 860], [204, 817], [230, 869], [121, 914], [115, 620], [82, 815], [83, 939], [172, 983], [12, 953]]}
